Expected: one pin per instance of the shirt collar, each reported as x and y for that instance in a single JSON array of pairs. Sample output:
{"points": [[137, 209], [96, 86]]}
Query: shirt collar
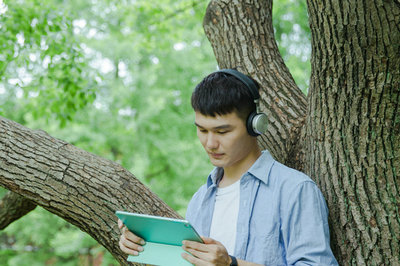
{"points": [[215, 176], [260, 169]]}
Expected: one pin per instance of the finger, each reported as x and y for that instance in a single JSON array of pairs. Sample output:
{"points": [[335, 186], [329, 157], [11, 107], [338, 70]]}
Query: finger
{"points": [[193, 260], [194, 245], [120, 224], [203, 256], [127, 250], [208, 240], [132, 237], [129, 247], [208, 245]]}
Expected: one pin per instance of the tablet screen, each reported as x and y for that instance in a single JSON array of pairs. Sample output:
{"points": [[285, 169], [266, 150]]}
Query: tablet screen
{"points": [[159, 229]]}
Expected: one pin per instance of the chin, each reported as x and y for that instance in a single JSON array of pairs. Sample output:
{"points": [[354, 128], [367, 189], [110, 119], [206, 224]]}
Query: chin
{"points": [[217, 163]]}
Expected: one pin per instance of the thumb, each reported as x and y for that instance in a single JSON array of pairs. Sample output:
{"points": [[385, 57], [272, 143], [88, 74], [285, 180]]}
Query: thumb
{"points": [[208, 240], [120, 224]]}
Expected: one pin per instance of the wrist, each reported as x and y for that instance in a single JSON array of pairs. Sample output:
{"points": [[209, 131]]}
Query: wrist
{"points": [[233, 261]]}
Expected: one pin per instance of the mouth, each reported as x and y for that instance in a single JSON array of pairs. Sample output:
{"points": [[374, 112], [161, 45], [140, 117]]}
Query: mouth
{"points": [[216, 155]]}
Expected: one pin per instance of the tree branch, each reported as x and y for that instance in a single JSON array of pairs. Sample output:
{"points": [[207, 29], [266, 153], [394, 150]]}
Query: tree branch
{"points": [[175, 13], [13, 207], [242, 36], [80, 187]]}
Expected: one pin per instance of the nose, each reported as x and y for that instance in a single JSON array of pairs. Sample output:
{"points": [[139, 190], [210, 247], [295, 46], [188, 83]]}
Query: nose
{"points": [[212, 141]]}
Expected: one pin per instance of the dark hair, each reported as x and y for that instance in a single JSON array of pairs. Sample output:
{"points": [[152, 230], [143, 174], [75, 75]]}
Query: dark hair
{"points": [[220, 94]]}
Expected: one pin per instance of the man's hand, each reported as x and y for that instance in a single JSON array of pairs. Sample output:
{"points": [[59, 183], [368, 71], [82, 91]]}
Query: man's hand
{"points": [[211, 252], [128, 242]]}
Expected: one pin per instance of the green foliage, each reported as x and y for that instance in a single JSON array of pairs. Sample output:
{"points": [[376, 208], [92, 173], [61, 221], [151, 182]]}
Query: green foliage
{"points": [[40, 237], [43, 61], [293, 36], [141, 116], [114, 77]]}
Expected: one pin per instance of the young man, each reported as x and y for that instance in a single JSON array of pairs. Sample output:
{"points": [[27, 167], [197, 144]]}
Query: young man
{"points": [[252, 210]]}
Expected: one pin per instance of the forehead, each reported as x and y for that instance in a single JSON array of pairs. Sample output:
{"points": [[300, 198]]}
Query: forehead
{"points": [[205, 121]]}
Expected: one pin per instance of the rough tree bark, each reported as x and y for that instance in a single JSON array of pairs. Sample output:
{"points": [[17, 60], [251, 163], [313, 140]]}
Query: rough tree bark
{"points": [[13, 207], [353, 125], [350, 132], [345, 134], [242, 36], [80, 187]]}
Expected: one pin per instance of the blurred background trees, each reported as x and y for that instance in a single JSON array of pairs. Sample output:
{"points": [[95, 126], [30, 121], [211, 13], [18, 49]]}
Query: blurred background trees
{"points": [[115, 78]]}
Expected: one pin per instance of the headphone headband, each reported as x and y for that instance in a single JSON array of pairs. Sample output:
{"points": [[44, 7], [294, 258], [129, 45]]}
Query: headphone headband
{"points": [[257, 121], [244, 79]]}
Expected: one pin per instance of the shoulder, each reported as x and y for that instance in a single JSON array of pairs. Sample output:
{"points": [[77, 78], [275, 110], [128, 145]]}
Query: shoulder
{"points": [[292, 183], [274, 173], [297, 189], [285, 175], [199, 194]]}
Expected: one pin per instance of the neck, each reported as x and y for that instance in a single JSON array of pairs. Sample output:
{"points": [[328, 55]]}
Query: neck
{"points": [[234, 172]]}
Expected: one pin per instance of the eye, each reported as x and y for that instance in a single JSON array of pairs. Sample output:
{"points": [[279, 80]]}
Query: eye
{"points": [[222, 132]]}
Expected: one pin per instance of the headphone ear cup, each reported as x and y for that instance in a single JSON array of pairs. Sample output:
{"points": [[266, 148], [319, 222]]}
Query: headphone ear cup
{"points": [[260, 123], [249, 124]]}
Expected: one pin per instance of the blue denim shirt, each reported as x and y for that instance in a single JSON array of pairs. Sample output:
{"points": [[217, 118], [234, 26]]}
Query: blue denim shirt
{"points": [[283, 218]]}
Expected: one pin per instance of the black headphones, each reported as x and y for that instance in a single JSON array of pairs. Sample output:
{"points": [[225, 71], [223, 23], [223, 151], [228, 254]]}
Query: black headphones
{"points": [[257, 121]]}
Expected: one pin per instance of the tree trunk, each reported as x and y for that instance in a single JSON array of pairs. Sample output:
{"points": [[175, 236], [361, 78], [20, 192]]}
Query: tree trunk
{"points": [[348, 128], [353, 125], [78, 186], [242, 37], [351, 132]]}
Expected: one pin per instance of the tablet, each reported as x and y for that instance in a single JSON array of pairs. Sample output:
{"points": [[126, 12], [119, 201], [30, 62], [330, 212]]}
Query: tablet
{"points": [[163, 237]]}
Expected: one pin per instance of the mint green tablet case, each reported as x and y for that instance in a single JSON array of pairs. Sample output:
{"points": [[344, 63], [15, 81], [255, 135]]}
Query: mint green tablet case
{"points": [[163, 238]]}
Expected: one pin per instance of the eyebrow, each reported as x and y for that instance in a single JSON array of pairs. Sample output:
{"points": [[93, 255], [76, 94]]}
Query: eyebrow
{"points": [[216, 128]]}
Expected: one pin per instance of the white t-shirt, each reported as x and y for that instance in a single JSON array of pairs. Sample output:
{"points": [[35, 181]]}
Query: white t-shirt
{"points": [[224, 220]]}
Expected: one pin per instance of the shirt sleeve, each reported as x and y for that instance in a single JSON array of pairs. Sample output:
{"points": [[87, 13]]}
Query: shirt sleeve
{"points": [[194, 209], [305, 227], [189, 211]]}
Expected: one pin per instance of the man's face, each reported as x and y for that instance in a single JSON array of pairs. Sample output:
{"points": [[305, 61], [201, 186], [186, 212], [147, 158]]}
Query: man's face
{"points": [[225, 138]]}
